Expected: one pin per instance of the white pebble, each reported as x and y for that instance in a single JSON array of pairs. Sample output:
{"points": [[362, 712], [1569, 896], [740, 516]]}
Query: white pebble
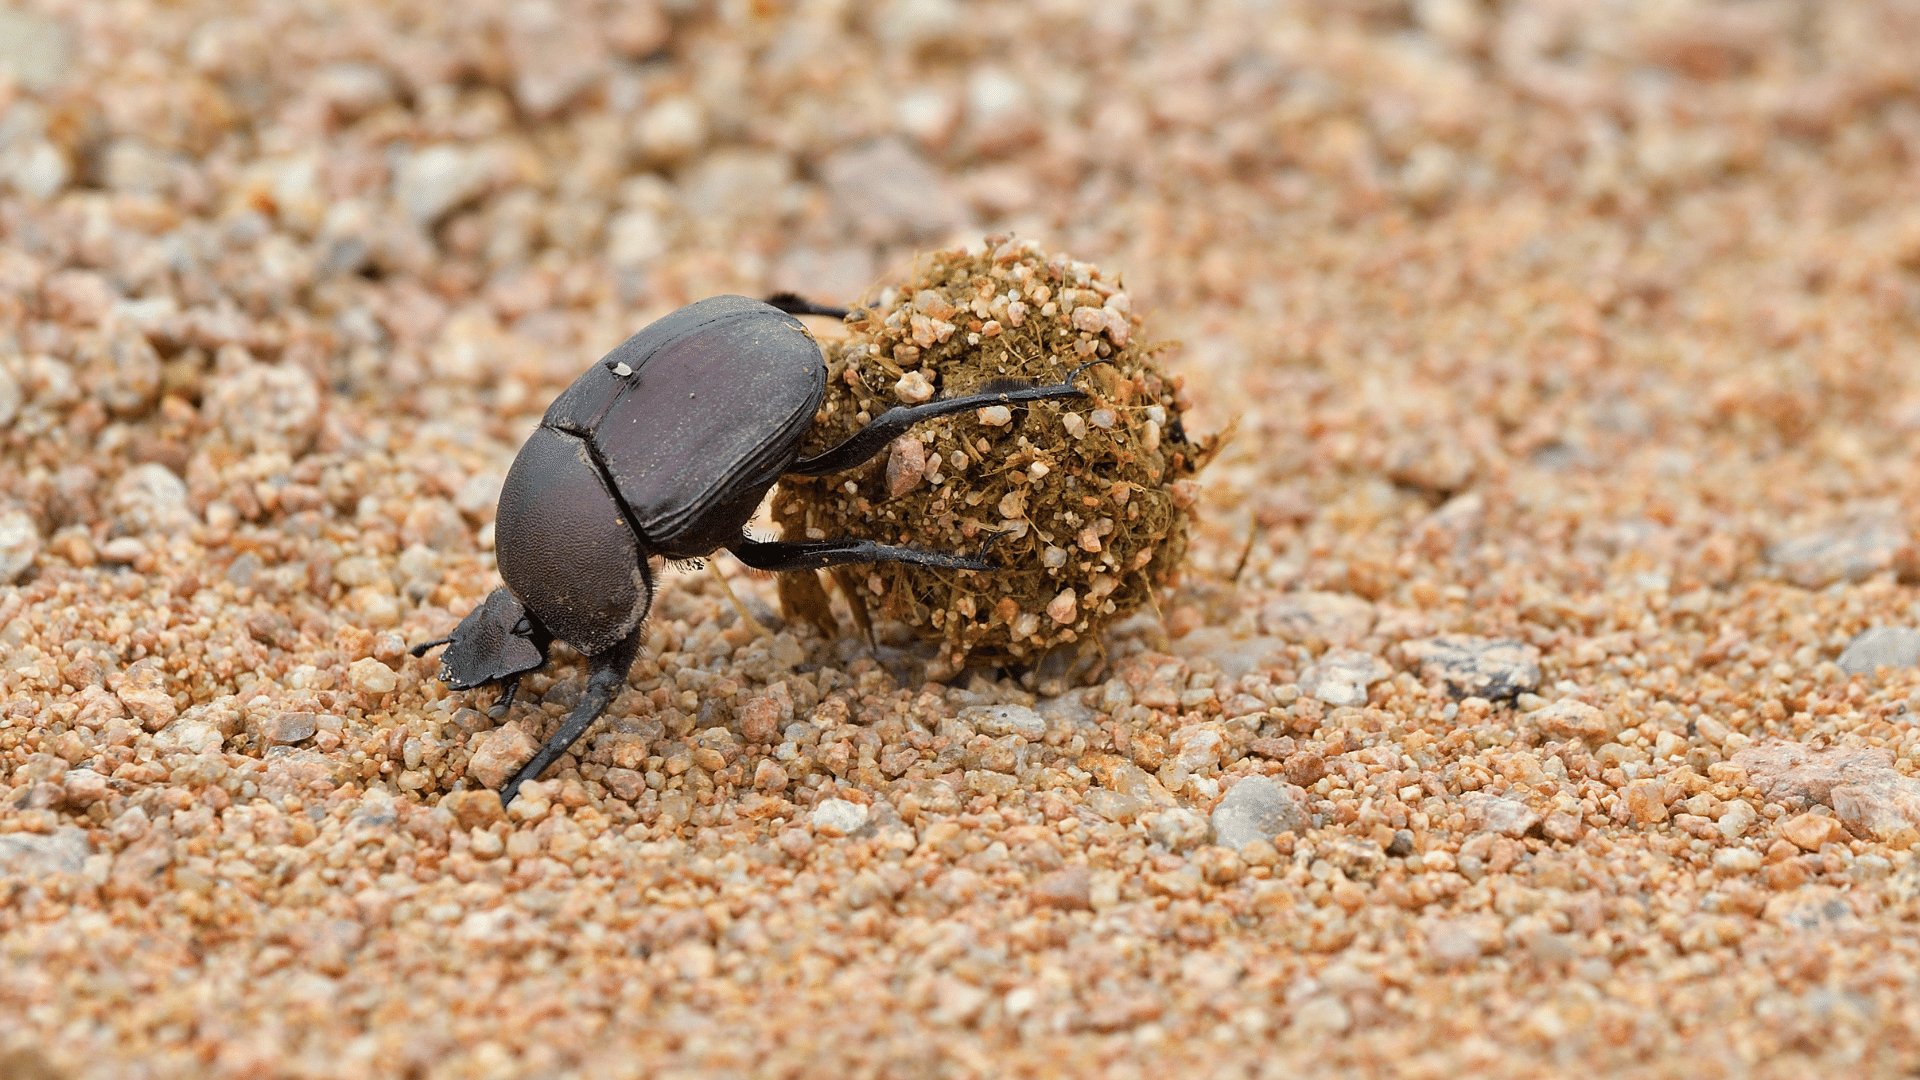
{"points": [[371, 676], [996, 416], [913, 388], [838, 817]]}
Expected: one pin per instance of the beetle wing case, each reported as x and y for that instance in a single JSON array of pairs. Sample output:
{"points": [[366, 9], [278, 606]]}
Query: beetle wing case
{"points": [[715, 402]]}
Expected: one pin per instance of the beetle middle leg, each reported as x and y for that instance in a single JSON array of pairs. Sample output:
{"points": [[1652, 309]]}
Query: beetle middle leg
{"points": [[606, 674]]}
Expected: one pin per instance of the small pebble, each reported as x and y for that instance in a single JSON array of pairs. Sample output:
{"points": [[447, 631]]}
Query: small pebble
{"points": [[913, 388], [838, 817], [1259, 809], [370, 676]]}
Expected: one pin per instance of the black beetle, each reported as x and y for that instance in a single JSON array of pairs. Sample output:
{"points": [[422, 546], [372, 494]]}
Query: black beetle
{"points": [[665, 447]]}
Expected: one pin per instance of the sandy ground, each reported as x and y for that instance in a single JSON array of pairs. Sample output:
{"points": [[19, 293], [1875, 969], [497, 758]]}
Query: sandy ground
{"points": [[1572, 352]]}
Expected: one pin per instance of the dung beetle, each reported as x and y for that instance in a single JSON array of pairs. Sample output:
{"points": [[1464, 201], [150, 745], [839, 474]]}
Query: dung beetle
{"points": [[665, 447]]}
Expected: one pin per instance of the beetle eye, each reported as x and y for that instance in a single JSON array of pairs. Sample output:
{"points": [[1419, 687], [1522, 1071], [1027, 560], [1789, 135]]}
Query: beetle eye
{"points": [[523, 628]]}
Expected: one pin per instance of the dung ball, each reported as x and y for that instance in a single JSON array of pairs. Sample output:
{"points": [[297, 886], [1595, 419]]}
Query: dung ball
{"points": [[1089, 497]]}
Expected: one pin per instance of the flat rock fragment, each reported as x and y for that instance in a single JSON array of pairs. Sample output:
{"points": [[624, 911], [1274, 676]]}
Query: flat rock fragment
{"points": [[19, 544], [1470, 666], [1259, 809], [1508, 817], [1338, 619], [1341, 676], [1867, 794], [1878, 647], [1865, 543]]}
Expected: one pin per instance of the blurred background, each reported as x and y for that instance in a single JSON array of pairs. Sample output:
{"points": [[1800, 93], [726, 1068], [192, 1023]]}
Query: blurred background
{"points": [[1415, 244]]}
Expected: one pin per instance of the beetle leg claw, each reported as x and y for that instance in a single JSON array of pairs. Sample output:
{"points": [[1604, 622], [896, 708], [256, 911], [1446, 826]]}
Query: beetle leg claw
{"points": [[1075, 373], [508, 688], [607, 674]]}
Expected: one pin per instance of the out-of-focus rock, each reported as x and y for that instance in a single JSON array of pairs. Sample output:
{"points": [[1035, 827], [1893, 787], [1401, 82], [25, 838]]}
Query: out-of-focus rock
{"points": [[1880, 646], [63, 851], [1341, 676], [1338, 619], [1491, 668], [436, 180], [1865, 543], [886, 193], [1178, 828], [1259, 809], [266, 407], [556, 53], [19, 544], [150, 499], [671, 130], [34, 50]]}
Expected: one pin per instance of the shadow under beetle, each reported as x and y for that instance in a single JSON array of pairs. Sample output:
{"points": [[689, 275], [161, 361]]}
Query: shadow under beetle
{"points": [[665, 447]]}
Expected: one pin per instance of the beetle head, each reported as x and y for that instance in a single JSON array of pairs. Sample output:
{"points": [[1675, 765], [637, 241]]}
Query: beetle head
{"points": [[494, 642]]}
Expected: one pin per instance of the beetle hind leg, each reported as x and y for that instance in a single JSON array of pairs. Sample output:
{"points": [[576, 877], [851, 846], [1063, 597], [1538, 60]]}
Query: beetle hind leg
{"points": [[795, 304], [784, 557], [890, 425]]}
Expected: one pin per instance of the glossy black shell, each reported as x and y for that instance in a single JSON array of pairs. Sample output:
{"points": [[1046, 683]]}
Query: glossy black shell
{"points": [[665, 446]]}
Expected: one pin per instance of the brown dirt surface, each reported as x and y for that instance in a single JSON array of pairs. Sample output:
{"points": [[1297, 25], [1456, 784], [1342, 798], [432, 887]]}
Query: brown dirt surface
{"points": [[1537, 699]]}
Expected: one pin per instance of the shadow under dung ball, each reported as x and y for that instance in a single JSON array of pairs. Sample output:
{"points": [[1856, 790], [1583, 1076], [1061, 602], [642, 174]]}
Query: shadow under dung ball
{"points": [[1091, 495]]}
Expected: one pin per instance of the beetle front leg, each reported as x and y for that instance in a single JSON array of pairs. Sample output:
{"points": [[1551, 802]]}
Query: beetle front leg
{"points": [[509, 686], [894, 423], [782, 557], [606, 675]]}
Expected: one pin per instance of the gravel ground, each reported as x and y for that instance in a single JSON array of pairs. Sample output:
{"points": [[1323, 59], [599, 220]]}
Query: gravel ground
{"points": [[1538, 701]]}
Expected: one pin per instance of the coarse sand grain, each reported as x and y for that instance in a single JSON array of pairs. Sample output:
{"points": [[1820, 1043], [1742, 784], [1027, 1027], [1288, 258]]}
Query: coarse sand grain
{"points": [[1538, 640]]}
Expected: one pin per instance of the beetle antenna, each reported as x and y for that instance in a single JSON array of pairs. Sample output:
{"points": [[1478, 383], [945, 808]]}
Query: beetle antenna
{"points": [[421, 649]]}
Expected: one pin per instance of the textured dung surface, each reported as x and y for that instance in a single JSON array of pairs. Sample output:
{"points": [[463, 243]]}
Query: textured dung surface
{"points": [[1089, 495], [1586, 327]]}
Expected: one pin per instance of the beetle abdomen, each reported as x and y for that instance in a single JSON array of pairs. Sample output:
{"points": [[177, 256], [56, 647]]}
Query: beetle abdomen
{"points": [[564, 547]]}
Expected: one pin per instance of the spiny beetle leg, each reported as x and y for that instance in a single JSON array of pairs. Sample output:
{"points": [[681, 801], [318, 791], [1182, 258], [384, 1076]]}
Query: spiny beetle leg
{"points": [[795, 304], [782, 557], [893, 423], [606, 675]]}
